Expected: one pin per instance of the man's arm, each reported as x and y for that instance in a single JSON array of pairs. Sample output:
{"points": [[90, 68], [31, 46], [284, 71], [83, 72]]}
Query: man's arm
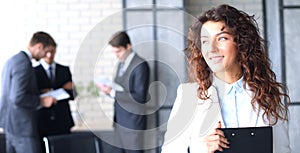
{"points": [[138, 88], [69, 86], [22, 93]]}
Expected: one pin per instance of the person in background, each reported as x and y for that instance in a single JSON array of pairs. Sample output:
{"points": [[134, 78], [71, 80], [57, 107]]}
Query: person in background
{"points": [[50, 75], [130, 93], [234, 86], [20, 96]]}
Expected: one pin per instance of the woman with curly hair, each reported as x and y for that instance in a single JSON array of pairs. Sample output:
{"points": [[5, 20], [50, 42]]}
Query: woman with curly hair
{"points": [[234, 86]]}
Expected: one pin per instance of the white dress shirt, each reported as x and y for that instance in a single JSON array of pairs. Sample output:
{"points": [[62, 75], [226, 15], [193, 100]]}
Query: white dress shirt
{"points": [[28, 53], [46, 67]]}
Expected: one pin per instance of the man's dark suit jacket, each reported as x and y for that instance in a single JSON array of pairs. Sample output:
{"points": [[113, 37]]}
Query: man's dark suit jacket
{"points": [[19, 97], [57, 119], [127, 107]]}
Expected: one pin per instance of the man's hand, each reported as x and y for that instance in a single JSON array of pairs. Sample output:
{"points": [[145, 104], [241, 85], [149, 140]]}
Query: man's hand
{"points": [[104, 88], [68, 86], [48, 101], [46, 90]]}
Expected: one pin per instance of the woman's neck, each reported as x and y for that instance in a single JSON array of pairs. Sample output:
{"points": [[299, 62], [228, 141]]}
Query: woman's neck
{"points": [[229, 77]]}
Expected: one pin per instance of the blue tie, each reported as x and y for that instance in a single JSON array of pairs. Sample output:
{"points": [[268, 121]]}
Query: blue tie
{"points": [[121, 69], [51, 74]]}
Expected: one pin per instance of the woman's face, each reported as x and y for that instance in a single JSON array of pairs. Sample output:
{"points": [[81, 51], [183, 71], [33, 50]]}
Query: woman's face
{"points": [[218, 48]]}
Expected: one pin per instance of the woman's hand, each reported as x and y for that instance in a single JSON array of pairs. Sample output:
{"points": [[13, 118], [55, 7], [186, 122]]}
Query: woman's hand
{"points": [[216, 140]]}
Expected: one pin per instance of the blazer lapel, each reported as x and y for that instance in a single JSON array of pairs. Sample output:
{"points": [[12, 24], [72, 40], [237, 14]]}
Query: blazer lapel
{"points": [[212, 113]]}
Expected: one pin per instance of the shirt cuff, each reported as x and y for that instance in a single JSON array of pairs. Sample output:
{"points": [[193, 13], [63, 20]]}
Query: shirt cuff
{"points": [[112, 93]]}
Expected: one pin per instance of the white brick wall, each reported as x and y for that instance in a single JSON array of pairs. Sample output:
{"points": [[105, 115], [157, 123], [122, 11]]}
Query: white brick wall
{"points": [[68, 21]]}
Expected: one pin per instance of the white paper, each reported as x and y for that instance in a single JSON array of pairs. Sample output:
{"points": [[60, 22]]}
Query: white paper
{"points": [[103, 81], [58, 94]]}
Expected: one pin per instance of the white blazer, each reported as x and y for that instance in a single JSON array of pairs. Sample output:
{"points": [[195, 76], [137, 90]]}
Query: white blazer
{"points": [[192, 118]]}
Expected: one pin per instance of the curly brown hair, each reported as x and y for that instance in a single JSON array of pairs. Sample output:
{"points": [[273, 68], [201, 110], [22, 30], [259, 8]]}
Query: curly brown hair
{"points": [[252, 57]]}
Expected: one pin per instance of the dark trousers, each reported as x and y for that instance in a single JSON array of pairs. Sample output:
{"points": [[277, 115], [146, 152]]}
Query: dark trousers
{"points": [[20, 144]]}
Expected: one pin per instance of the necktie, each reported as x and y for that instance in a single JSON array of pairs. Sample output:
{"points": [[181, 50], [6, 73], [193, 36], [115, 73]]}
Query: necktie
{"points": [[121, 69], [52, 116], [51, 74]]}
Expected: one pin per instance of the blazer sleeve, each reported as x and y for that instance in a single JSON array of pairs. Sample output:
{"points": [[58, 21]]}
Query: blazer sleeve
{"points": [[71, 92], [23, 91], [174, 141], [138, 88]]}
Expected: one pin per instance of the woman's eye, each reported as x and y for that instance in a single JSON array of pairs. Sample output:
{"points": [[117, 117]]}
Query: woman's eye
{"points": [[204, 42], [222, 38]]}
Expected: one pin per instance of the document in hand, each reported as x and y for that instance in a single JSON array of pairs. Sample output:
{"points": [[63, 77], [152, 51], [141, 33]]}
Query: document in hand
{"points": [[58, 94], [107, 82], [249, 140], [104, 81]]}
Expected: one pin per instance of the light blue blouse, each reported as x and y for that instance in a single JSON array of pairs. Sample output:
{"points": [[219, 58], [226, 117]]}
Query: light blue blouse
{"points": [[232, 97]]}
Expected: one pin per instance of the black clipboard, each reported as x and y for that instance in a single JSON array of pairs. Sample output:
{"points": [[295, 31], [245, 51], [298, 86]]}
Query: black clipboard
{"points": [[249, 140]]}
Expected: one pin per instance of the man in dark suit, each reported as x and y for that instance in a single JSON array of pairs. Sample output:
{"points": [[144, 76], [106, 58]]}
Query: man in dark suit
{"points": [[20, 97], [130, 91], [50, 76]]}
